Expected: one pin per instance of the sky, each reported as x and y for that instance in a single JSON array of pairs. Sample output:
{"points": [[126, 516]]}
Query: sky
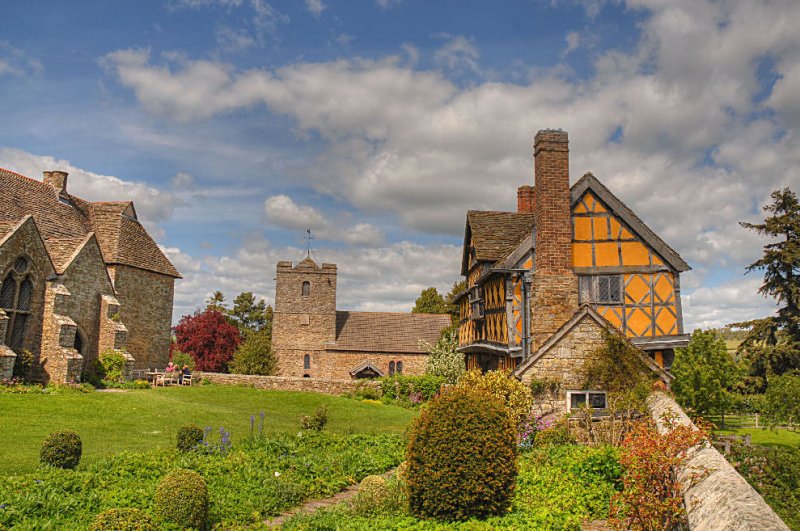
{"points": [[234, 125]]}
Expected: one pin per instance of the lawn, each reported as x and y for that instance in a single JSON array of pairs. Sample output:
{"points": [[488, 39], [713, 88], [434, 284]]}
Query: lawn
{"points": [[140, 420], [764, 437]]}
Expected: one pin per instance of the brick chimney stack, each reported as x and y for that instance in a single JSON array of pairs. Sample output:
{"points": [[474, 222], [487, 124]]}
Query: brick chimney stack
{"points": [[555, 286], [525, 199], [58, 180]]}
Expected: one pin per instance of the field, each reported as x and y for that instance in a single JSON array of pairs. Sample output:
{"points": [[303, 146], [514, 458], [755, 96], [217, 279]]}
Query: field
{"points": [[745, 424], [137, 421]]}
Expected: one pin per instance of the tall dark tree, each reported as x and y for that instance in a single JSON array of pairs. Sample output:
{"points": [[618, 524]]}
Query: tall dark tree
{"points": [[247, 314], [450, 298], [430, 301], [773, 344], [216, 302]]}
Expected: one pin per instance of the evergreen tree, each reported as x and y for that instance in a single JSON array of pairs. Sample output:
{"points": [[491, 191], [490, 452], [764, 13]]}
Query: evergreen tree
{"points": [[772, 345], [450, 298], [430, 301], [255, 356], [216, 302], [704, 375], [247, 314]]}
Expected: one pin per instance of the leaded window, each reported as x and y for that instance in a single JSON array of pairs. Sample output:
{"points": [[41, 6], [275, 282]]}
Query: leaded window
{"points": [[16, 294], [306, 362], [391, 368], [600, 289], [399, 367]]}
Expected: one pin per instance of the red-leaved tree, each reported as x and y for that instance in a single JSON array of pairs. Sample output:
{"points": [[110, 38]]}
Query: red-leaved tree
{"points": [[209, 338]]}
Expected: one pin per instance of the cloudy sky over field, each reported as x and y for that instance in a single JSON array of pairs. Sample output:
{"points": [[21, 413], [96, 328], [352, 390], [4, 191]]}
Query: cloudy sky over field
{"points": [[236, 124]]}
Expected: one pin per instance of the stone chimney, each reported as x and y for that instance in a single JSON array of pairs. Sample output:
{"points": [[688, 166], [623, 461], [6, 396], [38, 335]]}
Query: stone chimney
{"points": [[555, 286], [525, 199], [58, 180]]}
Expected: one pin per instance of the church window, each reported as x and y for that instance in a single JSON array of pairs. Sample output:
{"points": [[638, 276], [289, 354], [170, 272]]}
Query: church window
{"points": [[307, 362], [391, 368], [16, 295], [399, 367], [306, 288]]}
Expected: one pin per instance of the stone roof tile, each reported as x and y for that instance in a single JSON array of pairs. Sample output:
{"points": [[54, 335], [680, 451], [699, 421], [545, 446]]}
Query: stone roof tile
{"points": [[387, 332]]}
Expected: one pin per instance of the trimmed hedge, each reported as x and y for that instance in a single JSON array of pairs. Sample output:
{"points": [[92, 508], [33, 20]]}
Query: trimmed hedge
{"points": [[400, 387], [61, 449], [127, 519], [462, 457], [182, 498], [189, 436]]}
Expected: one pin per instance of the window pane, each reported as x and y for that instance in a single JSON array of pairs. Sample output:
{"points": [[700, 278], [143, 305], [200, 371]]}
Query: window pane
{"points": [[577, 400], [7, 292], [585, 289], [25, 295], [20, 265], [306, 288], [597, 400], [603, 287], [399, 367], [391, 368], [306, 361], [18, 331], [615, 288]]}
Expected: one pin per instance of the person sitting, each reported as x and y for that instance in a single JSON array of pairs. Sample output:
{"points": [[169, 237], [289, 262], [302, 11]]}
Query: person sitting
{"points": [[184, 372]]}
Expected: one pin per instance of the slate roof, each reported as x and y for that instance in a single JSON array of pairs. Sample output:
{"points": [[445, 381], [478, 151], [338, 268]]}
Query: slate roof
{"points": [[494, 234], [122, 239], [387, 332], [62, 250]]}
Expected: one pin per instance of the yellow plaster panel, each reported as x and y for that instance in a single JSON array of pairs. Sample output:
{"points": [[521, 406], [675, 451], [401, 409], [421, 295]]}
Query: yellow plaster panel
{"points": [[659, 358], [637, 290], [528, 263], [634, 253], [590, 202], [598, 207], [664, 288], [606, 254], [638, 321], [656, 260], [611, 315], [626, 235], [518, 289], [600, 228], [583, 228], [615, 228], [580, 209], [582, 255], [667, 323]]}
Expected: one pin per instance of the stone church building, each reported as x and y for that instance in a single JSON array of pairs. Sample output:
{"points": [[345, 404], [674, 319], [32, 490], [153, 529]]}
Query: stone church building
{"points": [[78, 278], [545, 282], [312, 339]]}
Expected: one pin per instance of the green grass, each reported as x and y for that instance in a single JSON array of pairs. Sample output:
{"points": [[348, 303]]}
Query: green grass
{"points": [[760, 436], [137, 421]]}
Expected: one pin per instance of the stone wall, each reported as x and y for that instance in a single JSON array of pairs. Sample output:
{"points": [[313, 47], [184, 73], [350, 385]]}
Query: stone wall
{"points": [[145, 300], [721, 498], [286, 383]]}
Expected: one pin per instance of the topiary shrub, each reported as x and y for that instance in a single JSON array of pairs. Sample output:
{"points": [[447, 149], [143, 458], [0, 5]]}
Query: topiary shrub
{"points": [[462, 457], [372, 489], [61, 449], [189, 436], [128, 519], [317, 421], [182, 498], [502, 386]]}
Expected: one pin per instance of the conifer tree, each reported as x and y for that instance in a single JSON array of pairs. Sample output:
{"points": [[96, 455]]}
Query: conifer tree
{"points": [[430, 301]]}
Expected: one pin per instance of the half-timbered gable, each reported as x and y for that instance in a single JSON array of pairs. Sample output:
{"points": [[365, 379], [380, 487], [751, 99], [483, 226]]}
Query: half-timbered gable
{"points": [[567, 248]]}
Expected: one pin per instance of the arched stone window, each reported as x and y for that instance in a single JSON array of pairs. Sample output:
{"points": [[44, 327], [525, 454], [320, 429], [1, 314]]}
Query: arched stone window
{"points": [[307, 361], [306, 288], [399, 367], [391, 368], [16, 295]]}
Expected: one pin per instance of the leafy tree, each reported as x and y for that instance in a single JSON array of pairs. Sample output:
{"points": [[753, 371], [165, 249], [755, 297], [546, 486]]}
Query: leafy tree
{"points": [[430, 301], [444, 360], [773, 344], [209, 338], [704, 375], [255, 356], [450, 298], [216, 302], [782, 398], [247, 314]]}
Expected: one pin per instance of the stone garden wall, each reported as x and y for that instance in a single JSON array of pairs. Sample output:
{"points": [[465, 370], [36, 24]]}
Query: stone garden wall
{"points": [[716, 496], [287, 383]]}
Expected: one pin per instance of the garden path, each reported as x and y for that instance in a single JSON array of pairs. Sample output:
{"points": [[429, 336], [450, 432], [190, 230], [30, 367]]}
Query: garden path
{"points": [[315, 505]]}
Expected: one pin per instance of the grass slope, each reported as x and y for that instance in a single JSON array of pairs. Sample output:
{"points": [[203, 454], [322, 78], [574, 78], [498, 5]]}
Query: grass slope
{"points": [[764, 437], [137, 421]]}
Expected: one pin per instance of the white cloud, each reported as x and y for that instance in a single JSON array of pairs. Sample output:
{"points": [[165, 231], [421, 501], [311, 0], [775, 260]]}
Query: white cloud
{"points": [[731, 302], [386, 4], [15, 62], [315, 7], [231, 40], [281, 210], [457, 54], [573, 39], [182, 181], [152, 205]]}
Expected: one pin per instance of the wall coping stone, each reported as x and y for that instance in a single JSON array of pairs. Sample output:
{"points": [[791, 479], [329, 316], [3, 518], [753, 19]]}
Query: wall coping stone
{"points": [[715, 494], [288, 383]]}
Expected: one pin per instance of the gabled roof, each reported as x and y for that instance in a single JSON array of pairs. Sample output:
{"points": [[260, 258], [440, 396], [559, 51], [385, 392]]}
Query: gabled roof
{"points": [[387, 332], [122, 239], [494, 234], [590, 182], [587, 312], [63, 250], [366, 365]]}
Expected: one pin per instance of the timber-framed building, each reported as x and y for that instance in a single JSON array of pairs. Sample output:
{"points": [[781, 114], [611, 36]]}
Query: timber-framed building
{"points": [[544, 281]]}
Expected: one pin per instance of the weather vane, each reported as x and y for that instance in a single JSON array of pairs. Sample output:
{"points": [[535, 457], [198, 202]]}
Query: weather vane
{"points": [[309, 239]]}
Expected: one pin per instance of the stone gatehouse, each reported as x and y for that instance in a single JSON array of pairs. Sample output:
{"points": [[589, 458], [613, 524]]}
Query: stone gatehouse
{"points": [[78, 278], [311, 338]]}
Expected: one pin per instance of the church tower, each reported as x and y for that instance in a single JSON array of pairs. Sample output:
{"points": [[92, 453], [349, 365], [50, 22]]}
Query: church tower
{"points": [[305, 316]]}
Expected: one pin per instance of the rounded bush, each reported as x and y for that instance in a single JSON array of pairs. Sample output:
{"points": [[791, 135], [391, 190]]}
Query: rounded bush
{"points": [[462, 457], [372, 489], [61, 449], [502, 386], [182, 498], [189, 436], [123, 520]]}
